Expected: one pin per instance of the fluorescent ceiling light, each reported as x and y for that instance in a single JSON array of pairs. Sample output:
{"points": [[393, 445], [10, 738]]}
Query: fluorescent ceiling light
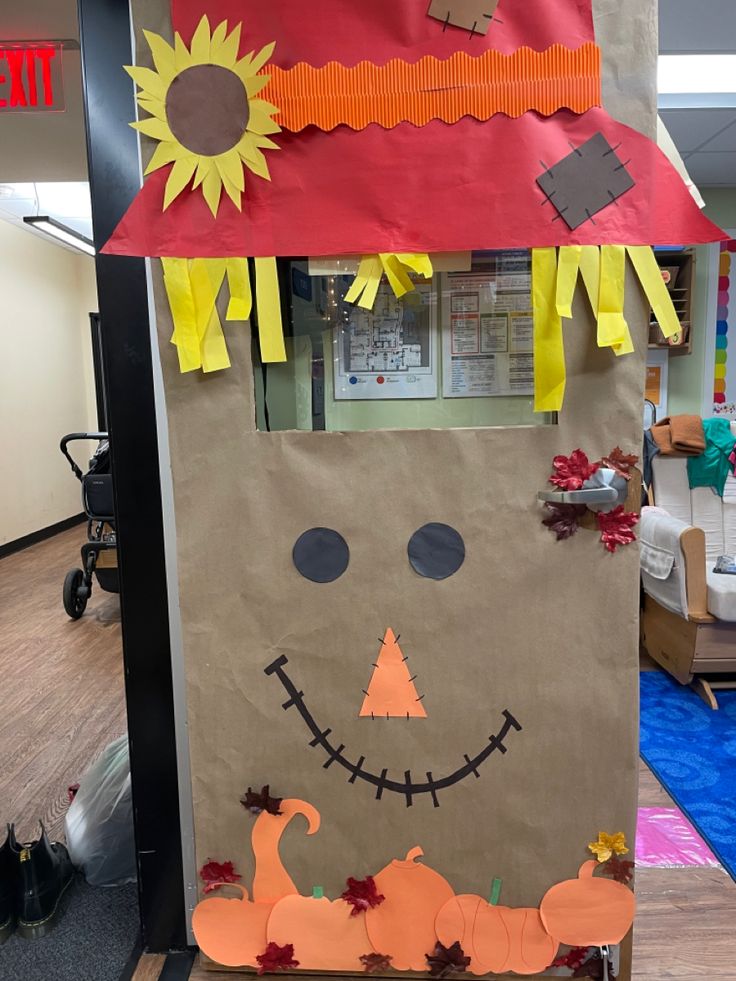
{"points": [[697, 74], [61, 233]]}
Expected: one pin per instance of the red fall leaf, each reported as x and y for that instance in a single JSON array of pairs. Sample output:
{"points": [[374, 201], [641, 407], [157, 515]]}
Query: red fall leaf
{"points": [[256, 802], [616, 527], [564, 519], [572, 471], [275, 958], [619, 869], [375, 963], [444, 961], [216, 874], [573, 959], [620, 462], [362, 894]]}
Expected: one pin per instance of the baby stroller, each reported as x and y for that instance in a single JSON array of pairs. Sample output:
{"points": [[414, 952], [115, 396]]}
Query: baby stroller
{"points": [[99, 553]]}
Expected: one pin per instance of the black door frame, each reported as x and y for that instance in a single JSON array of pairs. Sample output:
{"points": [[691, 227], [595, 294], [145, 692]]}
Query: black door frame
{"points": [[112, 150]]}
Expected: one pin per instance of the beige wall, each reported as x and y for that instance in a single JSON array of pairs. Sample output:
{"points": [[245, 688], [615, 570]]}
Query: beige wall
{"points": [[46, 378]]}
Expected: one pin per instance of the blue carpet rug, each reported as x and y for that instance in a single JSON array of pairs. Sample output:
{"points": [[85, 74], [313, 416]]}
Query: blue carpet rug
{"points": [[692, 750]]}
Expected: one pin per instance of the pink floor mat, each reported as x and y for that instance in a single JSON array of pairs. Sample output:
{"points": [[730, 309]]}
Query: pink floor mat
{"points": [[666, 839]]}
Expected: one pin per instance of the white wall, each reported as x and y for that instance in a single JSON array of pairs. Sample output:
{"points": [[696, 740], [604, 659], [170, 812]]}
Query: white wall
{"points": [[46, 378]]}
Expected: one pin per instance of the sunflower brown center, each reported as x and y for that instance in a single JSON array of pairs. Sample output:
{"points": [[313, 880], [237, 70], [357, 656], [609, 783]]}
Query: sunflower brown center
{"points": [[207, 109]]}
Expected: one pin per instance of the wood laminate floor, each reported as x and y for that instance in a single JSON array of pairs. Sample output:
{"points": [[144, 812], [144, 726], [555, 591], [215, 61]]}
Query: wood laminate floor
{"points": [[61, 684]]}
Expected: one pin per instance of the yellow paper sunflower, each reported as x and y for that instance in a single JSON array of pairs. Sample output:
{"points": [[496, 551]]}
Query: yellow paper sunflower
{"points": [[204, 112]]}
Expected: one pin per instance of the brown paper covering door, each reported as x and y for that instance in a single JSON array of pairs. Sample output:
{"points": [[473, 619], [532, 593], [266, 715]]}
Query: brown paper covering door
{"points": [[530, 641]]}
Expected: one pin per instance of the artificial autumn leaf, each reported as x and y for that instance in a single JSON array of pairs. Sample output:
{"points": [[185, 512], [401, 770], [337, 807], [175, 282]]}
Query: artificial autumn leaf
{"points": [[445, 961], [572, 471], [594, 969], [619, 869], [564, 519], [255, 802], [362, 894], [607, 845], [574, 958], [375, 963], [616, 528], [275, 958], [620, 462], [216, 874]]}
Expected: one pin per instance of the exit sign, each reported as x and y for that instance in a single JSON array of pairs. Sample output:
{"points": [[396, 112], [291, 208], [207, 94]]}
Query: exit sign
{"points": [[31, 77]]}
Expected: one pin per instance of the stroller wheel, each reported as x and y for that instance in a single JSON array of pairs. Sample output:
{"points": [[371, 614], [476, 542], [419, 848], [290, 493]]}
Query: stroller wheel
{"points": [[75, 594]]}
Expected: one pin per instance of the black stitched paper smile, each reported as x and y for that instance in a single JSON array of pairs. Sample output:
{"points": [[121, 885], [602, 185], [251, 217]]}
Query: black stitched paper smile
{"points": [[408, 788]]}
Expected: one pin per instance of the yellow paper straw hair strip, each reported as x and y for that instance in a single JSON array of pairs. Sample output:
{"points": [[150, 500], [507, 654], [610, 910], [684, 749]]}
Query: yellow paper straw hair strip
{"points": [[650, 277], [612, 327], [181, 303], [268, 305], [567, 278], [396, 266], [241, 298], [206, 277], [590, 268], [549, 353]]}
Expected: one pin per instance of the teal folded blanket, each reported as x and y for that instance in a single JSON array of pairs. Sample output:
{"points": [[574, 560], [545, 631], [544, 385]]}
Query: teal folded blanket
{"points": [[711, 468]]}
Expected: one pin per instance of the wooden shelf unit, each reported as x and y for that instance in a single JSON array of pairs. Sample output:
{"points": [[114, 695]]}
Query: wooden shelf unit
{"points": [[679, 264]]}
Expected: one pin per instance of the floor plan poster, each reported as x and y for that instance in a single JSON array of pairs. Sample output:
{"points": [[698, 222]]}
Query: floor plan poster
{"points": [[487, 327], [389, 352]]}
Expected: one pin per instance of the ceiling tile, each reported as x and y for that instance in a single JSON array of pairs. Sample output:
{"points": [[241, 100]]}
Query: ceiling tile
{"points": [[713, 169], [690, 128], [726, 141], [685, 26]]}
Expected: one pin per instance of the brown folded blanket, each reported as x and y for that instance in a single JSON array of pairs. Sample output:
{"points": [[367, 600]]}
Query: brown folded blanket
{"points": [[679, 436]]}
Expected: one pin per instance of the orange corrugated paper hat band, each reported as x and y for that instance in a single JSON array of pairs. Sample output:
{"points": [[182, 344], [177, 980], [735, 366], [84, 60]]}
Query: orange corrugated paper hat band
{"points": [[399, 92]]}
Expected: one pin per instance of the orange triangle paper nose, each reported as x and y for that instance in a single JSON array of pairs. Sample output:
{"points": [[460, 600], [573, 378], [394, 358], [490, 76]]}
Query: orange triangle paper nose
{"points": [[391, 692]]}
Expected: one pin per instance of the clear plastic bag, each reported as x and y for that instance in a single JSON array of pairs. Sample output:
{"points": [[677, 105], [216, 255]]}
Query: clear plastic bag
{"points": [[99, 822]]}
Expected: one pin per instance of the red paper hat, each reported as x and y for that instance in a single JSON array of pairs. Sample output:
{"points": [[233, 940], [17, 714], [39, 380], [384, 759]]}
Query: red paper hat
{"points": [[500, 182]]}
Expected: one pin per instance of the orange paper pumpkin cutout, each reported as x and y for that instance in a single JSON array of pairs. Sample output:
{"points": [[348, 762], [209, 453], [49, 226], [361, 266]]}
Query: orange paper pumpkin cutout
{"points": [[391, 692], [403, 926], [496, 938], [532, 949], [324, 934], [588, 911], [478, 926], [231, 931], [271, 881]]}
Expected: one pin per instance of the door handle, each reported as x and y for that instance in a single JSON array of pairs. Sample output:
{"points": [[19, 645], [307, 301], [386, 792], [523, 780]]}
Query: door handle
{"points": [[605, 491], [587, 495]]}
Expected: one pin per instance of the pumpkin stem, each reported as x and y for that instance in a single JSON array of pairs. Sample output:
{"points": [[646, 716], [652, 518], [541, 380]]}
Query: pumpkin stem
{"points": [[496, 891], [318, 892], [271, 880], [235, 885], [414, 853], [587, 869]]}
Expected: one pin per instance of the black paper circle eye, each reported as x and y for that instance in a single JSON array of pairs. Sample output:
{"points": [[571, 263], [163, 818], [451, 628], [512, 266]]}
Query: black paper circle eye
{"points": [[436, 551], [321, 555]]}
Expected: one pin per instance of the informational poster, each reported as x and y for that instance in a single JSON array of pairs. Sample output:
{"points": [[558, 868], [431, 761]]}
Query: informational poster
{"points": [[389, 352], [487, 336], [656, 385]]}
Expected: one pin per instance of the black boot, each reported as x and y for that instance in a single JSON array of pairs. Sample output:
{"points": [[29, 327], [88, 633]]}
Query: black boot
{"points": [[43, 873], [7, 890]]}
